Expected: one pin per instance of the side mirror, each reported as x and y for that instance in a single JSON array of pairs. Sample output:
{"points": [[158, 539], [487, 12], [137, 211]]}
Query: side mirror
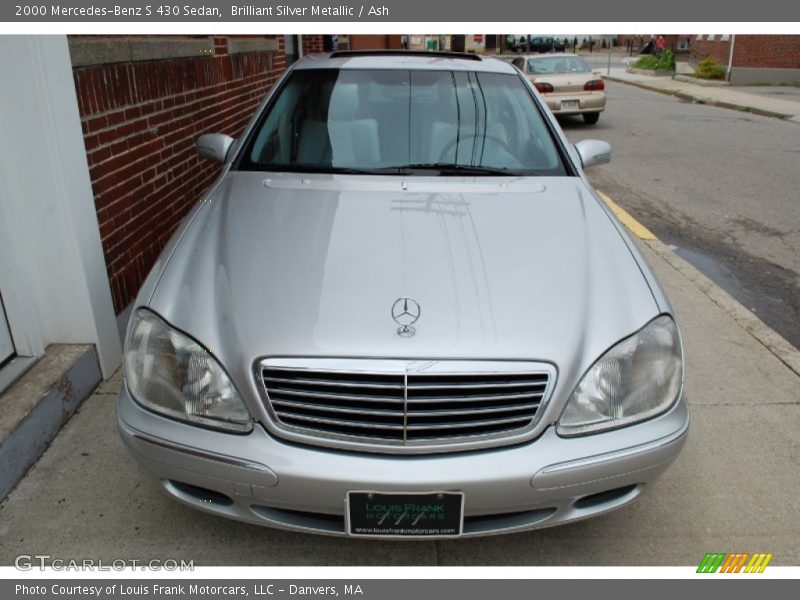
{"points": [[593, 152], [214, 146]]}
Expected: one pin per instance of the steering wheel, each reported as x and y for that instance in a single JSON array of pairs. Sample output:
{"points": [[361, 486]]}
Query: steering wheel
{"points": [[504, 144]]}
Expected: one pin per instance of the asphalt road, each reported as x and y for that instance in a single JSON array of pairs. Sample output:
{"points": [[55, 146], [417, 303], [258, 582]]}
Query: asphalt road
{"points": [[721, 186]]}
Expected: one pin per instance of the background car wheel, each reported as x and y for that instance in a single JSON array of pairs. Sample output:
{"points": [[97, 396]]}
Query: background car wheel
{"points": [[591, 118]]}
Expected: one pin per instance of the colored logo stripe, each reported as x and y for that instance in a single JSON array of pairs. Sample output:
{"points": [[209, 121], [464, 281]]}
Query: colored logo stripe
{"points": [[711, 562], [734, 563], [758, 563]]}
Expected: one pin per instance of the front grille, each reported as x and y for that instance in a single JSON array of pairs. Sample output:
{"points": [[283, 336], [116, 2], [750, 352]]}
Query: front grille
{"points": [[405, 406]]}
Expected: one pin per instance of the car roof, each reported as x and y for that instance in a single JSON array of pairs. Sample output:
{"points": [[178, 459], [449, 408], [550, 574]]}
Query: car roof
{"points": [[552, 55], [400, 59]]}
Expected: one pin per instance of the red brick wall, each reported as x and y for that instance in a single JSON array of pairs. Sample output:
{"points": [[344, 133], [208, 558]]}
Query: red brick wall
{"points": [[140, 120], [702, 49], [369, 42], [312, 44], [770, 51]]}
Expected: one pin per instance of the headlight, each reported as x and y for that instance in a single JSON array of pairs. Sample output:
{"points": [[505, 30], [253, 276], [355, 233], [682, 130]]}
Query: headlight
{"points": [[637, 379], [172, 374]]}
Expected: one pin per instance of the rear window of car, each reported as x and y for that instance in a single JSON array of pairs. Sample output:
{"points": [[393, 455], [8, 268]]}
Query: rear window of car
{"points": [[557, 64], [387, 121]]}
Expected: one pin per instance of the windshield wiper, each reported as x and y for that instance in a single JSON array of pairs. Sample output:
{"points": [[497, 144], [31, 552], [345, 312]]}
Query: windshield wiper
{"points": [[458, 169]]}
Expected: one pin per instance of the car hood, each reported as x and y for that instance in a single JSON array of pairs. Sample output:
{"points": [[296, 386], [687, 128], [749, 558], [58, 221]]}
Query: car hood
{"points": [[288, 265]]}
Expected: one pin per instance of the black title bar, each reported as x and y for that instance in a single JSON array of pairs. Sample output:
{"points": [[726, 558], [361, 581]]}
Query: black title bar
{"points": [[391, 11]]}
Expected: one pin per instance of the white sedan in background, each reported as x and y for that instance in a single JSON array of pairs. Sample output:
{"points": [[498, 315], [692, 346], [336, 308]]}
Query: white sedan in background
{"points": [[566, 83]]}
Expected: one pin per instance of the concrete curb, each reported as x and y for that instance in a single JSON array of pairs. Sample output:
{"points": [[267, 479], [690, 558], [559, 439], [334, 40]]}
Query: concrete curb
{"points": [[712, 83], [650, 72], [765, 335], [58, 399], [702, 99]]}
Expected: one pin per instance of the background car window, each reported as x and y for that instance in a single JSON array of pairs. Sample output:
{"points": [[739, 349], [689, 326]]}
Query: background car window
{"points": [[557, 64], [384, 120]]}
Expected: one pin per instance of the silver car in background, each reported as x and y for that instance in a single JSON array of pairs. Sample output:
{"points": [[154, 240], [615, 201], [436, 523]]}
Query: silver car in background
{"points": [[402, 312]]}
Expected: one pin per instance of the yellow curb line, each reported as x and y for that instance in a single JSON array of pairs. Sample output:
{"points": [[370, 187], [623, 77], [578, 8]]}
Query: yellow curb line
{"points": [[767, 337], [639, 230]]}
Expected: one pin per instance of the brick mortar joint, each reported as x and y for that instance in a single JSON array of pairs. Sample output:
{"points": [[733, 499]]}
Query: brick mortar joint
{"points": [[151, 129], [89, 116], [136, 148]]}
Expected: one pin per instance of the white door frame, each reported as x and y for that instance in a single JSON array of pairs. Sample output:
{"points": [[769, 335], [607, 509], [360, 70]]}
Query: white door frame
{"points": [[52, 270], [7, 349]]}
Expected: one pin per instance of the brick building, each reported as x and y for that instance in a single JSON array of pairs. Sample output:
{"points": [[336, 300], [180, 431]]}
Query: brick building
{"points": [[771, 59], [99, 168], [142, 102]]}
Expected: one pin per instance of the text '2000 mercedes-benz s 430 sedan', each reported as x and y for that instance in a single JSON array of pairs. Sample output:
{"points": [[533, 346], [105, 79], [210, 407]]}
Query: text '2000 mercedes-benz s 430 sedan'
{"points": [[402, 312]]}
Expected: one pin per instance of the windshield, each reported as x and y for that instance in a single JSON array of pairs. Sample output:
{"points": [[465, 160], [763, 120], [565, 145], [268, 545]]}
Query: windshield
{"points": [[398, 121], [558, 64]]}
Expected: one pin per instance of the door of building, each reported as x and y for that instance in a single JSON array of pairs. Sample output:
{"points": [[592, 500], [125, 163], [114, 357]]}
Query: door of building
{"points": [[7, 351]]}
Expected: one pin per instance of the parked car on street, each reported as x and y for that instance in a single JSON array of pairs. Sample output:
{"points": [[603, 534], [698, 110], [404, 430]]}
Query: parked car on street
{"points": [[402, 312], [566, 83], [528, 43], [545, 44]]}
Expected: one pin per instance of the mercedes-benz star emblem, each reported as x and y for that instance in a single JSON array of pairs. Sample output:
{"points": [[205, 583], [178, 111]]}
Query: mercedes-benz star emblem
{"points": [[405, 312]]}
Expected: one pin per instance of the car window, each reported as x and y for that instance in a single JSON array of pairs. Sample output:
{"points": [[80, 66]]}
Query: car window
{"points": [[392, 121], [557, 64]]}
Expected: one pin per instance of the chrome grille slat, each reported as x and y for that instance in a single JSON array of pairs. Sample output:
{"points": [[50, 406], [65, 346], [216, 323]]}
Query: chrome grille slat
{"points": [[329, 396], [345, 384], [469, 411], [337, 409], [471, 386], [347, 423], [424, 399], [461, 424], [403, 403]]}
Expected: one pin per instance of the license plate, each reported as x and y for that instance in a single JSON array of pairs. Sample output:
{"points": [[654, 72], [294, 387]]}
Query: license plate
{"points": [[570, 104], [405, 514]]}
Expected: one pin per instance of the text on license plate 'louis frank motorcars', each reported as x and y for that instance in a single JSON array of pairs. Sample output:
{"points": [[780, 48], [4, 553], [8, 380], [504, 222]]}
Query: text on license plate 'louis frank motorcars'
{"points": [[436, 514], [402, 312]]}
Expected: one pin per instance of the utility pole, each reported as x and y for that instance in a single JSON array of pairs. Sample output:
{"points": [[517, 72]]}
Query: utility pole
{"points": [[730, 58]]}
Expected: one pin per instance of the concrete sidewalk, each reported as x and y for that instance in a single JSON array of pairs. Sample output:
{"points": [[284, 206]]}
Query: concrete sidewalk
{"points": [[750, 99], [735, 487]]}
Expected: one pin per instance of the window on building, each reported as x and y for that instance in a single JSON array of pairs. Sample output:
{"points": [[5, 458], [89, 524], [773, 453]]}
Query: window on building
{"points": [[292, 48]]}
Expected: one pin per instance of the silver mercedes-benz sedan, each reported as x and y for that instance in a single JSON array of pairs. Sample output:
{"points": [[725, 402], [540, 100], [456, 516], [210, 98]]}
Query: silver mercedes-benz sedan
{"points": [[402, 312]]}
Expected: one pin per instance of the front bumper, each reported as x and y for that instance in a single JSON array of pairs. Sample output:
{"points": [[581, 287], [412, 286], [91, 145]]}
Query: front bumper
{"points": [[263, 480]]}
